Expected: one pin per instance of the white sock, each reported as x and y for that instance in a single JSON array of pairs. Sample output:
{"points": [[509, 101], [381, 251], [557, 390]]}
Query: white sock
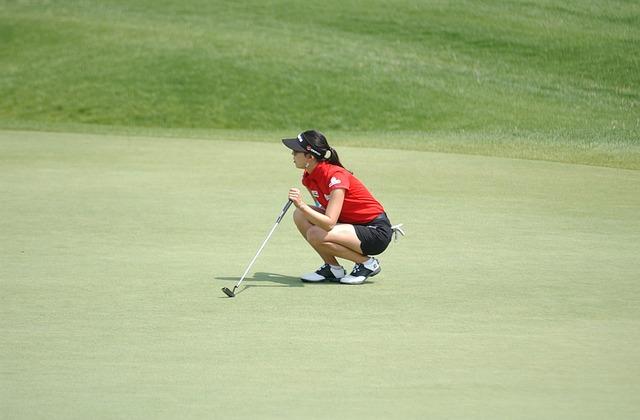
{"points": [[336, 270], [371, 263]]}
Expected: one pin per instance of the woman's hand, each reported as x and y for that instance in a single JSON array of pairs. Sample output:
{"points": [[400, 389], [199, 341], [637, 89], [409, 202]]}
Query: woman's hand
{"points": [[296, 197]]}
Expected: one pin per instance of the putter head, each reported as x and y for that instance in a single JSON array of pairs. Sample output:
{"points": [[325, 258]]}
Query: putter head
{"points": [[228, 292]]}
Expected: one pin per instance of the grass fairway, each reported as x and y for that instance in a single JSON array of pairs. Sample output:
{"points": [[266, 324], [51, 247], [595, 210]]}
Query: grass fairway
{"points": [[514, 295]]}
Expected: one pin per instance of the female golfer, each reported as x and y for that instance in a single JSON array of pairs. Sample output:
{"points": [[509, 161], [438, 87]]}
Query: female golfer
{"points": [[345, 222]]}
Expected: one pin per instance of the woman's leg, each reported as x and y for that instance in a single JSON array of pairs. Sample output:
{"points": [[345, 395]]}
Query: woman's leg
{"points": [[304, 226], [341, 241], [301, 222]]}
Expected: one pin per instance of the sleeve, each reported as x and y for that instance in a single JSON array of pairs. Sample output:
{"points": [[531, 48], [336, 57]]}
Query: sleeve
{"points": [[339, 179]]}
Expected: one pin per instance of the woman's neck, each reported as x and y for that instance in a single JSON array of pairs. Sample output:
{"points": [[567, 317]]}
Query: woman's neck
{"points": [[312, 165]]}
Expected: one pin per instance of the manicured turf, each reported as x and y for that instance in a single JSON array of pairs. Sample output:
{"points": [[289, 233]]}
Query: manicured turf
{"points": [[514, 295]]}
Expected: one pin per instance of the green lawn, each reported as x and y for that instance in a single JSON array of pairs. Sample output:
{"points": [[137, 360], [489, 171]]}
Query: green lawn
{"points": [[141, 168], [514, 294], [482, 77]]}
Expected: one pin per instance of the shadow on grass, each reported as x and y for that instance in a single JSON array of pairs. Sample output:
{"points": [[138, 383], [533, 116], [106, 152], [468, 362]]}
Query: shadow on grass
{"points": [[281, 280], [250, 282]]}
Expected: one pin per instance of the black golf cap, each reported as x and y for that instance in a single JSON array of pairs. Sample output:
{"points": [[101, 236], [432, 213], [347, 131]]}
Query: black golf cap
{"points": [[300, 144]]}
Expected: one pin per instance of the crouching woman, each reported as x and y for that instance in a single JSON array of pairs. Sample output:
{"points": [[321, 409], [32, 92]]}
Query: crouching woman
{"points": [[345, 222]]}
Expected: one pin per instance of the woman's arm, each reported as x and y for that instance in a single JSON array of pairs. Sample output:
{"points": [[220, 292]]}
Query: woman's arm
{"points": [[330, 217]]}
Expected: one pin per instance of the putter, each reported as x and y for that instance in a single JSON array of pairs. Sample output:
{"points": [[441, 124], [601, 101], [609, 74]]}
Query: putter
{"points": [[232, 293]]}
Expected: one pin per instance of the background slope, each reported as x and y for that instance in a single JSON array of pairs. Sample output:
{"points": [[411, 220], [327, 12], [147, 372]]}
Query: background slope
{"points": [[469, 76]]}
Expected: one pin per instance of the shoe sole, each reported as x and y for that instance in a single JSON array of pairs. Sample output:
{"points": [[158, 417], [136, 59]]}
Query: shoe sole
{"points": [[334, 279], [375, 273]]}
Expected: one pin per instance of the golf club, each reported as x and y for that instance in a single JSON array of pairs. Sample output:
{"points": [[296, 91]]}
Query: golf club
{"points": [[232, 293]]}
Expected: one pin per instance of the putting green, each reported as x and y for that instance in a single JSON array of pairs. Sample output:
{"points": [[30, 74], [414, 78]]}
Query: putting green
{"points": [[514, 295]]}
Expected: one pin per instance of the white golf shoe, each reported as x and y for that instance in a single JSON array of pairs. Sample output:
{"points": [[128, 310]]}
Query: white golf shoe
{"points": [[361, 272], [326, 272]]}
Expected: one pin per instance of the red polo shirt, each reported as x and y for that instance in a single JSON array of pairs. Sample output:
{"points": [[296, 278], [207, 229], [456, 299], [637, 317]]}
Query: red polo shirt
{"points": [[359, 206]]}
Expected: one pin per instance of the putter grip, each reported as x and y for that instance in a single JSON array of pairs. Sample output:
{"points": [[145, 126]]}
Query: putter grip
{"points": [[284, 210]]}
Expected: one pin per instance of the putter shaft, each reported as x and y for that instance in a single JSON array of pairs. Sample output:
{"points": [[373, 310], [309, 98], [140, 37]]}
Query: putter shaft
{"points": [[282, 213]]}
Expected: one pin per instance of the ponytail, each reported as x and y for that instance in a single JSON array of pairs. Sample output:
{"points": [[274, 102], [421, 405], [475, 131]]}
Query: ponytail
{"points": [[319, 147], [333, 158]]}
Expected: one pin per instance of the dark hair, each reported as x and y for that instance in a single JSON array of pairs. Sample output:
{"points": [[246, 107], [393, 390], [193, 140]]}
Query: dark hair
{"points": [[318, 141]]}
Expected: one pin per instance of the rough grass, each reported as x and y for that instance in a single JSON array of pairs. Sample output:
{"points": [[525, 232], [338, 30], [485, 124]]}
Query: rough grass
{"points": [[492, 77]]}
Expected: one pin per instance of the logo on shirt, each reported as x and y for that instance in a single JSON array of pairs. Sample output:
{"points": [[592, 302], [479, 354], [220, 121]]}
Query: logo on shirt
{"points": [[334, 181]]}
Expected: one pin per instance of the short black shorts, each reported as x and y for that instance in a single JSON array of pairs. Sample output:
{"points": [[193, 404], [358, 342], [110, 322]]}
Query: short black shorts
{"points": [[375, 236]]}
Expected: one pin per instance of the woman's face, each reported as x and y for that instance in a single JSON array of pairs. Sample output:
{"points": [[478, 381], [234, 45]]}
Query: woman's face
{"points": [[299, 159]]}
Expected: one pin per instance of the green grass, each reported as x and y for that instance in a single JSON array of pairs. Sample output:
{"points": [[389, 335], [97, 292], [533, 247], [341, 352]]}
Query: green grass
{"points": [[472, 76], [513, 295]]}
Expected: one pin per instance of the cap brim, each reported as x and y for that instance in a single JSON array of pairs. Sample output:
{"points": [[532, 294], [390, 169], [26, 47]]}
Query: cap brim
{"points": [[293, 144]]}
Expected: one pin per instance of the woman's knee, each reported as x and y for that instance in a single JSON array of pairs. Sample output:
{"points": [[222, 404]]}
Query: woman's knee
{"points": [[316, 235], [298, 216], [300, 220]]}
